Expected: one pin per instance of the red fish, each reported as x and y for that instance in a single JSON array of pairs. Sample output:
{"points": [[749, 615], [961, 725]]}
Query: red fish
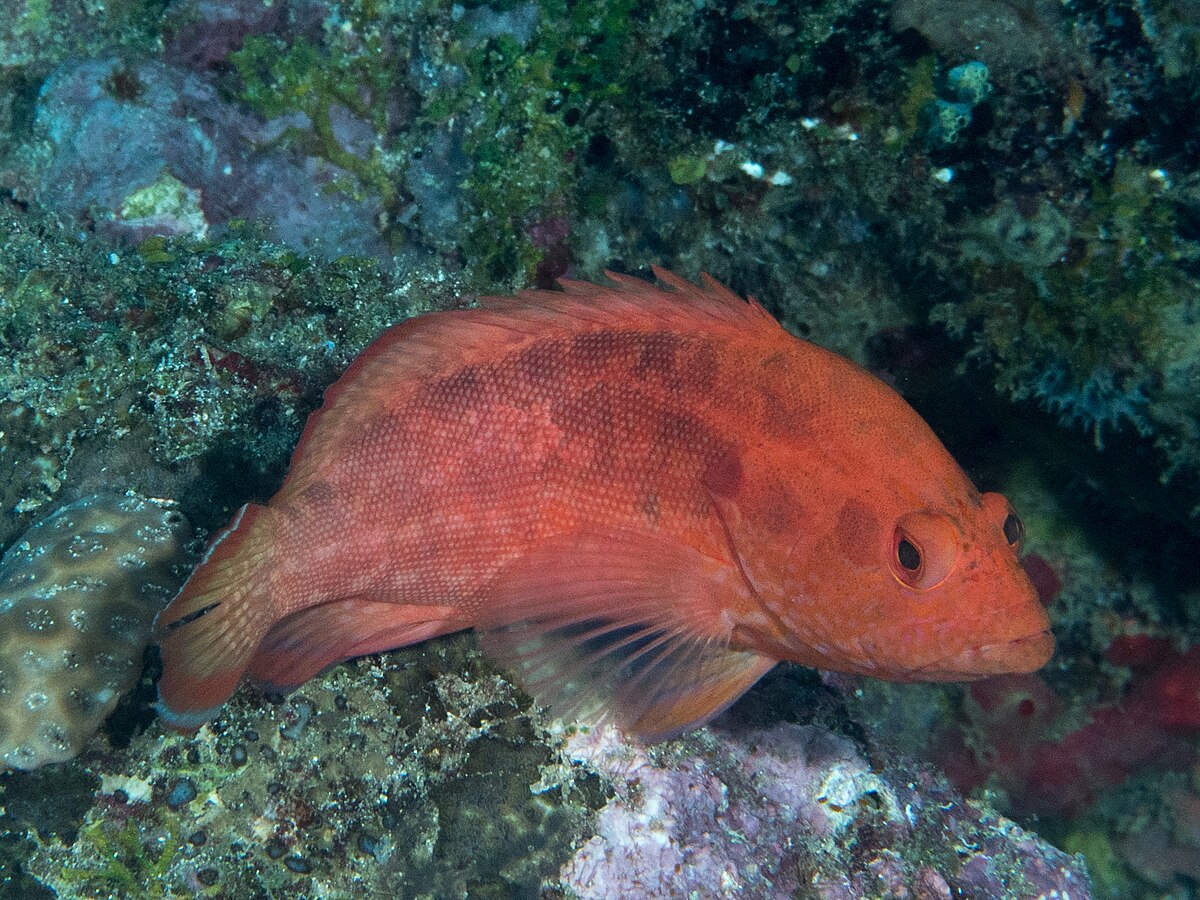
{"points": [[642, 497]]}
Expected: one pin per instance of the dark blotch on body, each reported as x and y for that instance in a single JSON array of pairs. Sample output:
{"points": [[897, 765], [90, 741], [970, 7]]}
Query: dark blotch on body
{"points": [[858, 532], [454, 395], [540, 367], [723, 473], [658, 359], [596, 352]]}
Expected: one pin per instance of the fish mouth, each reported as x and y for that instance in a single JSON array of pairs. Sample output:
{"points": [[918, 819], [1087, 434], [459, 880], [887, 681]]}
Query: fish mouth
{"points": [[1016, 656]]}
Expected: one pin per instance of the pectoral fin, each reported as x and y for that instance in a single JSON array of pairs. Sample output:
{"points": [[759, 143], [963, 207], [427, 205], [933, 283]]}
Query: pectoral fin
{"points": [[628, 625]]}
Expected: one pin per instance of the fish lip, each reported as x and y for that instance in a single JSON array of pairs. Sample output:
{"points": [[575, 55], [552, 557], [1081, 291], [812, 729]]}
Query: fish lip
{"points": [[1019, 655]]}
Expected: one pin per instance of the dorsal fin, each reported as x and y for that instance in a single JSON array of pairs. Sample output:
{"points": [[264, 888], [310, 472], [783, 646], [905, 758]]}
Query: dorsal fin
{"points": [[630, 302], [414, 351]]}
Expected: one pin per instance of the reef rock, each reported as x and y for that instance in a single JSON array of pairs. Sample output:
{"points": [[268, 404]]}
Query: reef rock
{"points": [[794, 810], [154, 150]]}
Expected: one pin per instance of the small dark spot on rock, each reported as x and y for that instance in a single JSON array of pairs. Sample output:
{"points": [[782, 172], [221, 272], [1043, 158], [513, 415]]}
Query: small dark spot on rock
{"points": [[274, 788], [198, 838], [124, 84], [238, 754], [269, 754], [207, 877], [368, 843], [341, 702], [193, 756], [251, 735], [275, 848], [267, 413], [183, 793], [298, 864], [600, 152]]}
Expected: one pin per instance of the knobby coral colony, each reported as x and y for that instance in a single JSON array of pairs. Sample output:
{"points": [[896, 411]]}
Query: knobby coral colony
{"points": [[78, 593]]}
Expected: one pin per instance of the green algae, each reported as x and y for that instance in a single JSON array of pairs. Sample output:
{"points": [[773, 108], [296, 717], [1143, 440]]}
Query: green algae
{"points": [[127, 864], [279, 79], [178, 350], [495, 94], [1081, 316], [1109, 877], [36, 34]]}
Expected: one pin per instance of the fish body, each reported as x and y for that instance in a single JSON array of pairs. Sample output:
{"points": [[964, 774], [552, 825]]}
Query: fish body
{"points": [[642, 497]]}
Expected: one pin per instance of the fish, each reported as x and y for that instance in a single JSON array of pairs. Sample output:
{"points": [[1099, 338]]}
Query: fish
{"points": [[641, 496]]}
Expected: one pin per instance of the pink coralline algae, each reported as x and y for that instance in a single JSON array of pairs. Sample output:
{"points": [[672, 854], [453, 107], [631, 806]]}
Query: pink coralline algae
{"points": [[154, 150], [1015, 735], [793, 809]]}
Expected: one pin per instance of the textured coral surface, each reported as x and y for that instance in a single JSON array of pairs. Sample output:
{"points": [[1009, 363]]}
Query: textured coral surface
{"points": [[78, 593]]}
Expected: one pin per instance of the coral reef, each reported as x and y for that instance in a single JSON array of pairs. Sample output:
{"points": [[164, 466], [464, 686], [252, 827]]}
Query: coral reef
{"points": [[37, 34], [78, 593], [118, 132], [142, 367], [200, 34], [1009, 36], [772, 813], [1085, 317], [994, 205], [424, 773]]}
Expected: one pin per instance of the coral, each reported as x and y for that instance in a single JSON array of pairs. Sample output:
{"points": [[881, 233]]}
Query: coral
{"points": [[426, 773], [970, 82], [486, 153], [78, 593], [36, 34], [166, 207], [1027, 741], [128, 366], [1166, 851], [422, 775]]}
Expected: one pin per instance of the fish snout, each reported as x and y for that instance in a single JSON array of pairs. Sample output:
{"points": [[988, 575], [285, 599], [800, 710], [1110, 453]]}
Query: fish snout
{"points": [[1016, 656]]}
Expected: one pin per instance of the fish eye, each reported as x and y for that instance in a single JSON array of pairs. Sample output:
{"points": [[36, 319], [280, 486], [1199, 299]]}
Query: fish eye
{"points": [[924, 549], [908, 555], [997, 507], [1014, 529]]}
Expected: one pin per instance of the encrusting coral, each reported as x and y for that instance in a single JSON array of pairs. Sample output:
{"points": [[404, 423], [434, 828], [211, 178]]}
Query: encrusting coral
{"points": [[78, 592]]}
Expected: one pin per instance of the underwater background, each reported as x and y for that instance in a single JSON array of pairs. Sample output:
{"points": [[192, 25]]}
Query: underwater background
{"points": [[208, 207]]}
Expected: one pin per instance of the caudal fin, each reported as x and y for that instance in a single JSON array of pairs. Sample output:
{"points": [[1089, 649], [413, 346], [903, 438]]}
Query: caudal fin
{"points": [[211, 629]]}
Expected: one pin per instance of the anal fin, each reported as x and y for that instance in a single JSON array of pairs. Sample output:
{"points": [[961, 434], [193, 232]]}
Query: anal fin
{"points": [[630, 625], [306, 643]]}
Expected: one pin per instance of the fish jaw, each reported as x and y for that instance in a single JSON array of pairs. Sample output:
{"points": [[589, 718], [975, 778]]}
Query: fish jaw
{"points": [[1016, 656]]}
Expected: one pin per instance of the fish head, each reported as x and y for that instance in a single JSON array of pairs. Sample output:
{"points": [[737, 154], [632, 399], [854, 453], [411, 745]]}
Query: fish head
{"points": [[957, 575], [911, 588]]}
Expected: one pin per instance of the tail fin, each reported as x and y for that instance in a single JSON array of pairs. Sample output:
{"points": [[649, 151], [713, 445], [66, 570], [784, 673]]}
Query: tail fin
{"points": [[211, 629]]}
